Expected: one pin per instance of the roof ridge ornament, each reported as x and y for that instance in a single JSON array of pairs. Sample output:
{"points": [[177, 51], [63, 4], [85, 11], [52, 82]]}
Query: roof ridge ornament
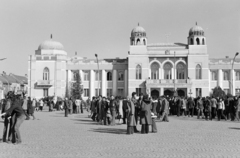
{"points": [[51, 36], [196, 23]]}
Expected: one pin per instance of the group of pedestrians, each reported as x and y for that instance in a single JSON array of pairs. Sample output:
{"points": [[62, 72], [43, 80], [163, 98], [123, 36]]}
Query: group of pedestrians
{"points": [[131, 111]]}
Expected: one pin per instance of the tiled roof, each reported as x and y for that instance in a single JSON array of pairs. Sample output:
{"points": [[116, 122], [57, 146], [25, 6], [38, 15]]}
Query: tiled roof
{"points": [[9, 79]]}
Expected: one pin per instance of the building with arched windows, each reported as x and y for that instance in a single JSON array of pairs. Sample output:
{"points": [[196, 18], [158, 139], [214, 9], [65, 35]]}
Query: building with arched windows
{"points": [[154, 69]]}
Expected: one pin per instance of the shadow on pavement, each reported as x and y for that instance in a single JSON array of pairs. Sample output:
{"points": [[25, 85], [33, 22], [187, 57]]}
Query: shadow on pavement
{"points": [[234, 128], [109, 130]]}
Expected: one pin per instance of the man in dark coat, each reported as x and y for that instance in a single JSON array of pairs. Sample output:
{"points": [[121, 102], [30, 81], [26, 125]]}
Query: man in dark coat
{"points": [[125, 109], [100, 109], [145, 115], [93, 108], [113, 110], [6, 104], [66, 107], [191, 106]]}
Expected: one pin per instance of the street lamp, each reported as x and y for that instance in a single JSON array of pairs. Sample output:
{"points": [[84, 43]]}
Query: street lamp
{"points": [[98, 75], [233, 70]]}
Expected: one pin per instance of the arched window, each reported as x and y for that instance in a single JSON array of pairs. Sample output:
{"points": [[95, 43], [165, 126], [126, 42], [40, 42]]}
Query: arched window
{"points": [[155, 71], [109, 76], [46, 74], [181, 70], [138, 72], [226, 75], [214, 75], [144, 42], [198, 41], [198, 72], [191, 41], [138, 41], [237, 75], [167, 71], [203, 42]]}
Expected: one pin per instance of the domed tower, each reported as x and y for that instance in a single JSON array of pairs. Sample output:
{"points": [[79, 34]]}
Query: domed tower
{"points": [[138, 36], [196, 36]]}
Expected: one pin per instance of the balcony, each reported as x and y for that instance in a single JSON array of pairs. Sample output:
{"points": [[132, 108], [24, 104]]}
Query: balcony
{"points": [[168, 83], [44, 83]]}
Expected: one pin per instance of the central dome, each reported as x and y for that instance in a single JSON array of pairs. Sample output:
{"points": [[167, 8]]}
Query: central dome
{"points": [[50, 45], [196, 30], [138, 31]]}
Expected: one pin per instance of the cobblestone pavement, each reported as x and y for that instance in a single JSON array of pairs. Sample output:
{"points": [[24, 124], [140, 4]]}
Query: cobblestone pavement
{"points": [[54, 136]]}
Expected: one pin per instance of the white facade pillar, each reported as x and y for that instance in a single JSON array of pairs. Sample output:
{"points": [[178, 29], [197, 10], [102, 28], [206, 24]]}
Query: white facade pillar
{"points": [[104, 79], [126, 83], [172, 72], [162, 70], [91, 87], [149, 74], [161, 91], [114, 81], [209, 81], [220, 78], [160, 73], [81, 74], [232, 85], [69, 75]]}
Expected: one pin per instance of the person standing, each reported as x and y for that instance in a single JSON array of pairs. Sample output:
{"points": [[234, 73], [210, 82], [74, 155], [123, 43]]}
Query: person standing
{"points": [[165, 110], [104, 111], [93, 108], [159, 108], [214, 107], [78, 103], [66, 106], [125, 109], [235, 109], [30, 108], [221, 107], [227, 107], [191, 106], [183, 106], [200, 108], [207, 109], [6, 104], [145, 114], [25, 107], [16, 109], [113, 109], [154, 111], [70, 106], [100, 110], [130, 110], [179, 105], [41, 104], [120, 110]]}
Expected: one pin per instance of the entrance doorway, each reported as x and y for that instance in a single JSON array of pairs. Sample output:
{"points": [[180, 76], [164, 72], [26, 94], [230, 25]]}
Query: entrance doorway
{"points": [[168, 93], [155, 94], [181, 93]]}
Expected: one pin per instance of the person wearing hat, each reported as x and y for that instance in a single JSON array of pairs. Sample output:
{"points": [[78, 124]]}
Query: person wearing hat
{"points": [[145, 114]]}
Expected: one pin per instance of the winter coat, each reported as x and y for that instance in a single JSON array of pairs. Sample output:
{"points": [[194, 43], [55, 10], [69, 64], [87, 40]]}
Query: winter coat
{"points": [[145, 113], [130, 116], [30, 108]]}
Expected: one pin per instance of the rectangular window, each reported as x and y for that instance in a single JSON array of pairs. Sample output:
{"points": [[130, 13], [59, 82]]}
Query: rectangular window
{"points": [[109, 92], [237, 74], [97, 92], [237, 91], [120, 76], [98, 76], [138, 91], [45, 92], [120, 92], [198, 92], [86, 75], [214, 75], [226, 75], [86, 92]]}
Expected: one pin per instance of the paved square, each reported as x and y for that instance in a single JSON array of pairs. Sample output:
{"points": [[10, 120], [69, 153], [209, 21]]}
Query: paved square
{"points": [[54, 136]]}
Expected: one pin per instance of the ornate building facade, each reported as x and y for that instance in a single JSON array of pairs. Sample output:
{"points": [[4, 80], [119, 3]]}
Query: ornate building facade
{"points": [[154, 69]]}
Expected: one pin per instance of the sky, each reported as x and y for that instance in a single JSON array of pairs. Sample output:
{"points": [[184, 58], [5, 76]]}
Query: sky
{"points": [[104, 26]]}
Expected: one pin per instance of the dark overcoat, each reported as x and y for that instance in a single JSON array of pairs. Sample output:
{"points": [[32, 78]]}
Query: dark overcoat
{"points": [[30, 108], [130, 114], [145, 113]]}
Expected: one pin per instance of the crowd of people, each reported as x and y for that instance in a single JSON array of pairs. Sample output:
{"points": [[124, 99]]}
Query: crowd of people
{"points": [[141, 109]]}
